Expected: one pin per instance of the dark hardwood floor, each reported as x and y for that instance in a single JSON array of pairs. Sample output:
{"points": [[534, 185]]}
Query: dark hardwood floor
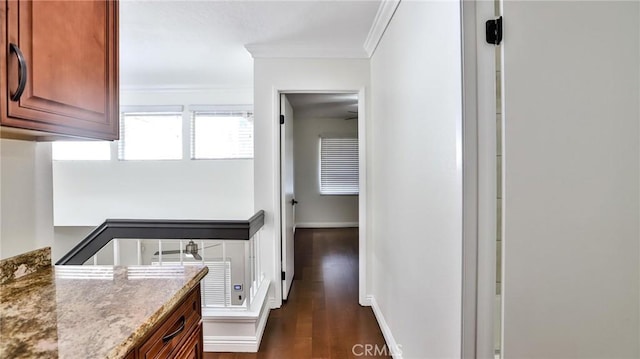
{"points": [[322, 318]]}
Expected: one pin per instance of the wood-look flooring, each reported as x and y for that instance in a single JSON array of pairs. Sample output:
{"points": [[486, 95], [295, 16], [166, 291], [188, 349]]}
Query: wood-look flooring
{"points": [[322, 317]]}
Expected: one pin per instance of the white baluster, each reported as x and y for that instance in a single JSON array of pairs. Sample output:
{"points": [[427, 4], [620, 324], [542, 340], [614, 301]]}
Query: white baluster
{"points": [[116, 252], [224, 267], [181, 253]]}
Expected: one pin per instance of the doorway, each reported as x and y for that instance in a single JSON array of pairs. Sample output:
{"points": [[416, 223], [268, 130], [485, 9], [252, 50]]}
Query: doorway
{"points": [[319, 169]]}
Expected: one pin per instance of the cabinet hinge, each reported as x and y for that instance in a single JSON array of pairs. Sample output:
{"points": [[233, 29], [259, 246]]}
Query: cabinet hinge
{"points": [[282, 276], [494, 31], [282, 119]]}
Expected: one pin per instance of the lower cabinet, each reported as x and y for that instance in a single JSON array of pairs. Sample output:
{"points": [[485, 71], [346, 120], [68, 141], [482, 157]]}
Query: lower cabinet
{"points": [[177, 337], [192, 349]]}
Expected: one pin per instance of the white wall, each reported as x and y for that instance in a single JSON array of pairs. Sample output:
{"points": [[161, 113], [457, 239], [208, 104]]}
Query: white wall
{"points": [[571, 278], [313, 209], [271, 75], [417, 180], [26, 214], [88, 192]]}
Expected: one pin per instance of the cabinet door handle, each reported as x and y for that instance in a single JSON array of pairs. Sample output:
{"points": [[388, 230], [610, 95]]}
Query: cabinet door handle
{"points": [[22, 72], [170, 336]]}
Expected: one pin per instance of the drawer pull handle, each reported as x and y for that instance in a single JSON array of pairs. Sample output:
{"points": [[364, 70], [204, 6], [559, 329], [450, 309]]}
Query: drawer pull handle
{"points": [[170, 336], [22, 72]]}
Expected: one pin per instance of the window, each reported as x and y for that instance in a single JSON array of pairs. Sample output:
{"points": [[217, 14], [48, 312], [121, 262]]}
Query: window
{"points": [[150, 136], [338, 166], [81, 150], [221, 135]]}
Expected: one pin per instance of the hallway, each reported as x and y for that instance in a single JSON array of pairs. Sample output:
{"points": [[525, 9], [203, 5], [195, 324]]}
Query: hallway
{"points": [[322, 318]]}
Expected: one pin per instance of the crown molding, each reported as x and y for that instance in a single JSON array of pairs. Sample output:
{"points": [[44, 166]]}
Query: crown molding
{"points": [[380, 22], [181, 88], [302, 51]]}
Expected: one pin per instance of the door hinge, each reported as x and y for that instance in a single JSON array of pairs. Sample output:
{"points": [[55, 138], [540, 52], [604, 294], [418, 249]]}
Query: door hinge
{"points": [[283, 276], [494, 31], [282, 119]]}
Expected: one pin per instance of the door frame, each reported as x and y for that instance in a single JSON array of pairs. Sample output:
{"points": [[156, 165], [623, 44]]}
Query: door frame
{"points": [[362, 196], [479, 181], [283, 203]]}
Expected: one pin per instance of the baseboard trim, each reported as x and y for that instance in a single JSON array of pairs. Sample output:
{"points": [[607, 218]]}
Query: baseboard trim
{"points": [[253, 322], [234, 344], [392, 345], [367, 301], [327, 225], [239, 343]]}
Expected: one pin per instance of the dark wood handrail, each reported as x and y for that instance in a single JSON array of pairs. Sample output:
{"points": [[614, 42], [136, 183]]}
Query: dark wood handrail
{"points": [[161, 229]]}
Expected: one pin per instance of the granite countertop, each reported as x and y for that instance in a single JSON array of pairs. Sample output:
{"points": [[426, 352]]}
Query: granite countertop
{"points": [[84, 311]]}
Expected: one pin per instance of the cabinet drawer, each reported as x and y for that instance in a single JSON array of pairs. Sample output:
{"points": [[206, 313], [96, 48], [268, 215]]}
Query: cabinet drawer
{"points": [[175, 329]]}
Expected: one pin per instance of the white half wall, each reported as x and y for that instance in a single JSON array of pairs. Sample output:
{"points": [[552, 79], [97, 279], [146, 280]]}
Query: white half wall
{"points": [[416, 185], [26, 213], [302, 75], [313, 209]]}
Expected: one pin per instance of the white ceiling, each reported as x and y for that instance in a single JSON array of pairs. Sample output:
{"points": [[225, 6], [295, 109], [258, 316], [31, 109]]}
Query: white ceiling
{"points": [[319, 106], [177, 44]]}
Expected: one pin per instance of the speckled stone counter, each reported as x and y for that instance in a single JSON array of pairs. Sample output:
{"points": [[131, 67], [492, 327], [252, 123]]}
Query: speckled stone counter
{"points": [[15, 267], [88, 311]]}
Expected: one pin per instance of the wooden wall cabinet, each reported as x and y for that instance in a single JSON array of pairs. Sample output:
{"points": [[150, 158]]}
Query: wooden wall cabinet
{"points": [[59, 68]]}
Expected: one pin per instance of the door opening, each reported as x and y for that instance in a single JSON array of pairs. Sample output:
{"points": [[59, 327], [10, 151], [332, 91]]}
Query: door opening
{"points": [[319, 168]]}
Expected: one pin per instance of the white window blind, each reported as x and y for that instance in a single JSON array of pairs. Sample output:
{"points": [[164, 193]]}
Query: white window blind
{"points": [[222, 135], [338, 166], [150, 136]]}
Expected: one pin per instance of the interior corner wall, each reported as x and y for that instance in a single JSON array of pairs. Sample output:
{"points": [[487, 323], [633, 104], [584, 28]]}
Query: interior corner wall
{"points": [[271, 75], [314, 210], [26, 199], [417, 178]]}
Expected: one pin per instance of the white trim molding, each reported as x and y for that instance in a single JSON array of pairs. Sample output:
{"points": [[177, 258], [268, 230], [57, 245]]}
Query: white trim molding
{"points": [[392, 345], [479, 182], [248, 326], [275, 51], [238, 343], [327, 225], [380, 22], [182, 88], [362, 203]]}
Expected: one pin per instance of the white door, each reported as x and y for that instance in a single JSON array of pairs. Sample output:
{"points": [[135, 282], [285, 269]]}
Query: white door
{"points": [[571, 179], [287, 200]]}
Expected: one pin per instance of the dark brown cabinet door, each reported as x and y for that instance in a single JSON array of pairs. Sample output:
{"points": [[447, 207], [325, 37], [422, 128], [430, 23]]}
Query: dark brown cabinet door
{"points": [[63, 57], [192, 349]]}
